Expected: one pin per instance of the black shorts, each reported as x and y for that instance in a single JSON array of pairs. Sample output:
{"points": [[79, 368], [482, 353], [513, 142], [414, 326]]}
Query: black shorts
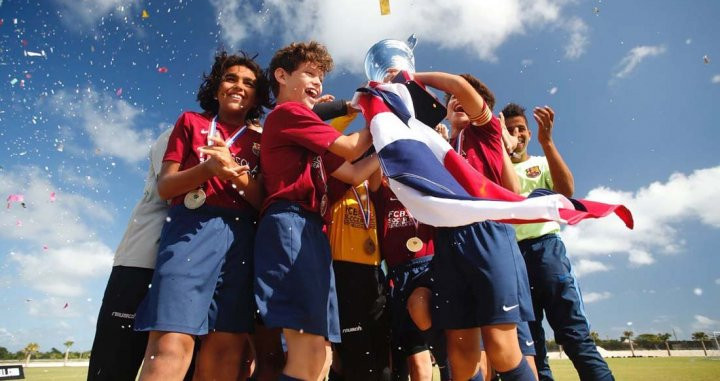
{"points": [[118, 350], [364, 325]]}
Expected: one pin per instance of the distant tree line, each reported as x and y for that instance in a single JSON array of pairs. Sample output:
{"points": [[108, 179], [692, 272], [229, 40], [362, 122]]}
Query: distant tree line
{"points": [[648, 341], [32, 351]]}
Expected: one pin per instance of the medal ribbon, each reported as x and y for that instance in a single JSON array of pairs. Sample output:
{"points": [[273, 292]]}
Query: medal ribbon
{"points": [[459, 142], [366, 216], [230, 140]]}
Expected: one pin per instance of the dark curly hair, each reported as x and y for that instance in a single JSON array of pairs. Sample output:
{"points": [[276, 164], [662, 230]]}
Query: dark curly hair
{"points": [[211, 82], [513, 110], [480, 87], [292, 56]]}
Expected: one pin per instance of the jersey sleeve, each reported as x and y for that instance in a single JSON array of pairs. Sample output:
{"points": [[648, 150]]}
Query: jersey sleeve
{"points": [[298, 124], [491, 126], [331, 162]]}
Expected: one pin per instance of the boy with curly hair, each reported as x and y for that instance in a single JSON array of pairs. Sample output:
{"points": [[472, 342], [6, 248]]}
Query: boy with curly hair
{"points": [[294, 284]]}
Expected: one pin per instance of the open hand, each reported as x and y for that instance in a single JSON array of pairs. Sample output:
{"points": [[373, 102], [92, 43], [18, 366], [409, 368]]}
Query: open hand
{"points": [[545, 117]]}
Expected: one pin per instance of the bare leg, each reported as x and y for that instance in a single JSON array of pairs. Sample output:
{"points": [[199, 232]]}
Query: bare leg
{"points": [[306, 355], [418, 306], [270, 358], [167, 356], [501, 344], [220, 356], [420, 366], [328, 361], [463, 347]]}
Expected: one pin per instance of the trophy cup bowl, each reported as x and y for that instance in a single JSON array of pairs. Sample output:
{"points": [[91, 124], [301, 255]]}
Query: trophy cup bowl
{"points": [[390, 54]]}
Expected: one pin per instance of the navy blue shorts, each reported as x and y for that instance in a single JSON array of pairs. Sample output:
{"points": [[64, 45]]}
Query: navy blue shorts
{"points": [[294, 278], [527, 345], [405, 279], [203, 277], [479, 277]]}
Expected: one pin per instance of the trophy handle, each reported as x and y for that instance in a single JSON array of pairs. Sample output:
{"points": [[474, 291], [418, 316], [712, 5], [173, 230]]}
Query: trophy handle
{"points": [[412, 41]]}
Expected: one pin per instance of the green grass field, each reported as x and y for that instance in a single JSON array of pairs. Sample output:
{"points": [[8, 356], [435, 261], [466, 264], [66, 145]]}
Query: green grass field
{"points": [[625, 369]]}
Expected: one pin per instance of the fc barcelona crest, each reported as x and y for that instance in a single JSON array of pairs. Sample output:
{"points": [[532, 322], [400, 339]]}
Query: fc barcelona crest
{"points": [[533, 172], [256, 149]]}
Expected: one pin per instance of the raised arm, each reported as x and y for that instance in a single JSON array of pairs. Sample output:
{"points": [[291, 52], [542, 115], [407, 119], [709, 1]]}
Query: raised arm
{"points": [[563, 181], [352, 146], [473, 104], [356, 173]]}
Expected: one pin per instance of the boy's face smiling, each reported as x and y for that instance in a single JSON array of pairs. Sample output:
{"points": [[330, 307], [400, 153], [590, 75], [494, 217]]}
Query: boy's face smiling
{"points": [[456, 114], [303, 85]]}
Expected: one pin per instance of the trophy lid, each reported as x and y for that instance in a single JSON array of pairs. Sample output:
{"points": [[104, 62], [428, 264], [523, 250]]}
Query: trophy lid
{"points": [[390, 54]]}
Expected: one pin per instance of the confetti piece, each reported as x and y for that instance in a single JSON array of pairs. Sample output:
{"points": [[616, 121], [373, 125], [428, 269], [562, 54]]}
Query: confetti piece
{"points": [[15, 198], [52, 196], [23, 42], [145, 14], [45, 247], [706, 59], [162, 69], [118, 92], [18, 223], [384, 7], [66, 305], [1, 22], [35, 54], [596, 10], [553, 90], [13, 81]]}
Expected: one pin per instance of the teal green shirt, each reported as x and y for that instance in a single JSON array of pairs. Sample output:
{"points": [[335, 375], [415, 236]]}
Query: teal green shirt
{"points": [[534, 173]]}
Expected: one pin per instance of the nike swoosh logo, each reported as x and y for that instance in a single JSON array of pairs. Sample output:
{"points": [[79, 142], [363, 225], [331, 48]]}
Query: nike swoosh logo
{"points": [[529, 343], [506, 308]]}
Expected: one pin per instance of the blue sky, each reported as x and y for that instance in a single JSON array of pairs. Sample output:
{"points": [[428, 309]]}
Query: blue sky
{"points": [[634, 86]]}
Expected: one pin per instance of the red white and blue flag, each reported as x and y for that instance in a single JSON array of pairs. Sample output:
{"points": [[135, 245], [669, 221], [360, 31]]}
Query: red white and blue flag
{"points": [[438, 186]]}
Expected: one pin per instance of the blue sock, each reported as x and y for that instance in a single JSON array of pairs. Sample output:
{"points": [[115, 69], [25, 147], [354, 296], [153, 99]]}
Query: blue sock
{"points": [[285, 377], [478, 376], [522, 372]]}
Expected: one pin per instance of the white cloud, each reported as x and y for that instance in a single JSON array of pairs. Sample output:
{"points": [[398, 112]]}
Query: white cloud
{"points": [[45, 222], [592, 297], [656, 218], [349, 28], [109, 122], [578, 38], [62, 271], [76, 13], [703, 322], [586, 266], [57, 249], [635, 57], [716, 78], [640, 257]]}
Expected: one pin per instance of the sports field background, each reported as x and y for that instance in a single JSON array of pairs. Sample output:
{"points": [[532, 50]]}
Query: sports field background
{"points": [[625, 369]]}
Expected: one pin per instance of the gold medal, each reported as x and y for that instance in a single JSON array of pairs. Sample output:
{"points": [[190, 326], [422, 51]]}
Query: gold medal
{"points": [[369, 246], [414, 244], [195, 199]]}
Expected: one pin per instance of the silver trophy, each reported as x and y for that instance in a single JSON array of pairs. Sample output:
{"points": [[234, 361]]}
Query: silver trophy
{"points": [[390, 54]]}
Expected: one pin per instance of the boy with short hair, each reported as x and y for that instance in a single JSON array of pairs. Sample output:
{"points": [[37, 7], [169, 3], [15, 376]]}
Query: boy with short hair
{"points": [[554, 289], [295, 285], [478, 285]]}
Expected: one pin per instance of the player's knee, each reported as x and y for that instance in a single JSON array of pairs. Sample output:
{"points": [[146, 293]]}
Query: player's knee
{"points": [[418, 306]]}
